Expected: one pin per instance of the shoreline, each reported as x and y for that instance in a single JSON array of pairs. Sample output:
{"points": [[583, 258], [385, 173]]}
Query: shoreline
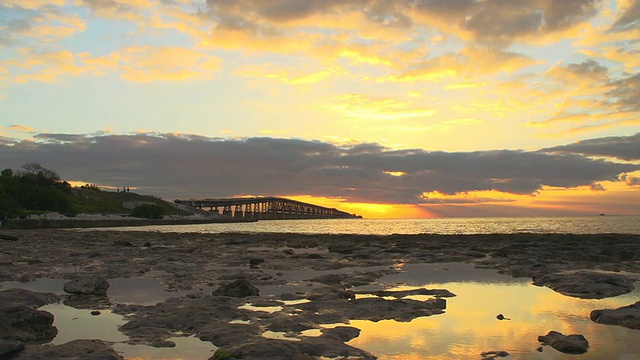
{"points": [[31, 224], [195, 263]]}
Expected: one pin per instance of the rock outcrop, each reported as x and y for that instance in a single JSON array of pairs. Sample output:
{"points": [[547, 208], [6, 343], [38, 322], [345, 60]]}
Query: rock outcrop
{"points": [[239, 288], [20, 321], [568, 344], [586, 284], [94, 285], [77, 349], [627, 316]]}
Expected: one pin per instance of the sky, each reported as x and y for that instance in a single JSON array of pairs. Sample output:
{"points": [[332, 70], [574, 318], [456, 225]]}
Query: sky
{"points": [[408, 108]]}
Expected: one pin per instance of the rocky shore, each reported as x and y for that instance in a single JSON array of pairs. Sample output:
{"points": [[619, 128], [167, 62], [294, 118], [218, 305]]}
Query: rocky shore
{"points": [[101, 221], [216, 278]]}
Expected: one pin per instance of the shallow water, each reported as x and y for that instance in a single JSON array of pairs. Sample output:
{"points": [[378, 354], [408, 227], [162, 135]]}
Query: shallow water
{"points": [[467, 328], [74, 324], [507, 225]]}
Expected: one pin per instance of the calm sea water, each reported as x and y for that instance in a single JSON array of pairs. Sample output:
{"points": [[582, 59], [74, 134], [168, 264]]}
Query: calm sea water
{"points": [[574, 225]]}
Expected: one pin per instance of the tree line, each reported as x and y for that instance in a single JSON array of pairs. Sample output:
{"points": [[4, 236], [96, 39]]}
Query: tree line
{"points": [[34, 188]]}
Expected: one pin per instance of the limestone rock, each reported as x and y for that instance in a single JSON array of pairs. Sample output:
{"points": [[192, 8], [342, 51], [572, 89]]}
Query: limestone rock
{"points": [[627, 316], [261, 349], [77, 349], [586, 284], [94, 285], [8, 347], [239, 288], [25, 324], [22, 297], [569, 344]]}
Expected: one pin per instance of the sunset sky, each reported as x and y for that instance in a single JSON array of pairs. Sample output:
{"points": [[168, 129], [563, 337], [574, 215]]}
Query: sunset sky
{"points": [[408, 108]]}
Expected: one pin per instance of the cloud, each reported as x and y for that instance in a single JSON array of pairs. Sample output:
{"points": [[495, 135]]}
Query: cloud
{"points": [[40, 27], [620, 147], [289, 75], [31, 4], [626, 93], [468, 62], [493, 22], [589, 98], [629, 19], [22, 129], [180, 165]]}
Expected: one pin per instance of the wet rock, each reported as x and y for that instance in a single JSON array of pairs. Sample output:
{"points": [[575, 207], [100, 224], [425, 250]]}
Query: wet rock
{"points": [[22, 297], [25, 324], [261, 349], [586, 284], [569, 344], [374, 309], [488, 355], [627, 316], [341, 333], [289, 324], [19, 319], [328, 346], [94, 285], [255, 262], [239, 288], [9, 347], [88, 302], [404, 293], [77, 349]]}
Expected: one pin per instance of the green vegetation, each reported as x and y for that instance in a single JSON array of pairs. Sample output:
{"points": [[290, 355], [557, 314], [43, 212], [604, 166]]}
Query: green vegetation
{"points": [[148, 211], [37, 190]]}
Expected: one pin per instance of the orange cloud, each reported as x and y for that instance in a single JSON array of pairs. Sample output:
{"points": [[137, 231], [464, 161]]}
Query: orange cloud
{"points": [[293, 76], [22, 129]]}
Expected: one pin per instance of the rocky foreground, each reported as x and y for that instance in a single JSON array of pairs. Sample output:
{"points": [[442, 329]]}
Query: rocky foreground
{"points": [[585, 266]]}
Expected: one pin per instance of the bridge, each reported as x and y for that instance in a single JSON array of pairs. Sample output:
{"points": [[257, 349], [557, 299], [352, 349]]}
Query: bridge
{"points": [[266, 208]]}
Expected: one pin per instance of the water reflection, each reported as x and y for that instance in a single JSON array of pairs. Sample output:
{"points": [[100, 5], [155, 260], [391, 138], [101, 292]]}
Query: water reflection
{"points": [[75, 324], [187, 348], [139, 291], [470, 327], [506, 225]]}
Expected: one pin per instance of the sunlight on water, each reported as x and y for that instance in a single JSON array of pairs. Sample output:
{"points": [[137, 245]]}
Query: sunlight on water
{"points": [[469, 326], [575, 225]]}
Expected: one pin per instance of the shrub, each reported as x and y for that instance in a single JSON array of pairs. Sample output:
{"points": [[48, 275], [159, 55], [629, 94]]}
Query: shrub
{"points": [[148, 211]]}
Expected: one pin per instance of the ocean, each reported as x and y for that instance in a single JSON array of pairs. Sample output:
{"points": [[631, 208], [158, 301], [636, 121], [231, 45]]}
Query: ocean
{"points": [[502, 225]]}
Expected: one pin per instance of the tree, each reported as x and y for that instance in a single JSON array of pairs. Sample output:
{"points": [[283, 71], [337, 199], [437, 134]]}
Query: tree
{"points": [[37, 169]]}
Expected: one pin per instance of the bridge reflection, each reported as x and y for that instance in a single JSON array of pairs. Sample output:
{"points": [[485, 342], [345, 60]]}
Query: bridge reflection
{"points": [[266, 208]]}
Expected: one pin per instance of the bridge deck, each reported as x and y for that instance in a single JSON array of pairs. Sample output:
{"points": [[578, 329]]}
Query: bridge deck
{"points": [[265, 208]]}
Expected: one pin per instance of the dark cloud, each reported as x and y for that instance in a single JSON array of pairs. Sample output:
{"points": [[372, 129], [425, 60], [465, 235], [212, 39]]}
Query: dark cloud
{"points": [[589, 68], [630, 19], [620, 147], [626, 93], [501, 21], [194, 166], [107, 5], [494, 22]]}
